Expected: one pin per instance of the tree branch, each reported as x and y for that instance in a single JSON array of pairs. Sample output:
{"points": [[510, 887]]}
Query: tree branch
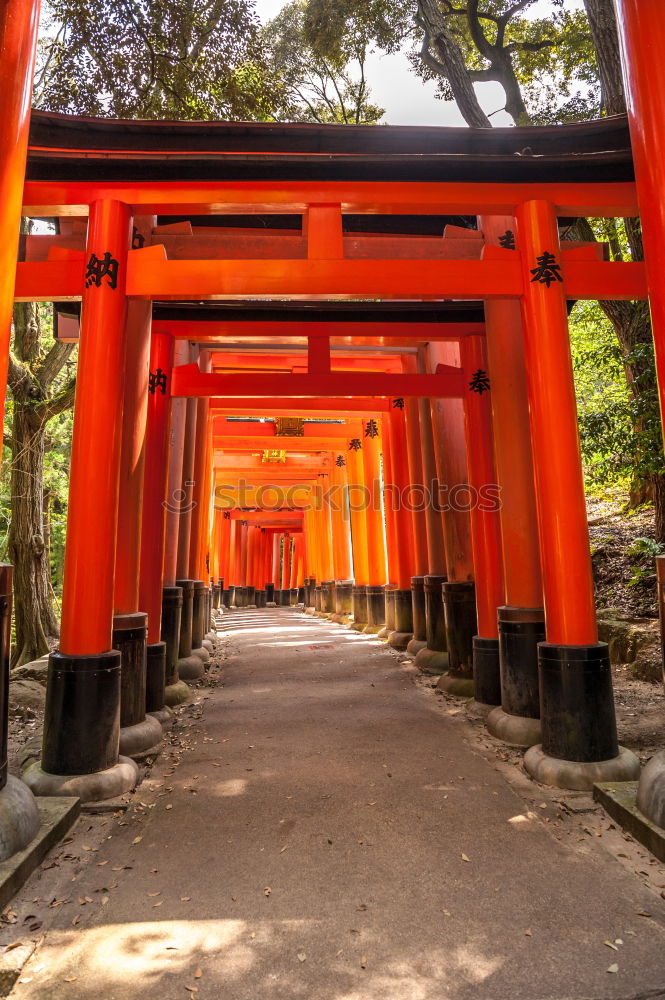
{"points": [[62, 401]]}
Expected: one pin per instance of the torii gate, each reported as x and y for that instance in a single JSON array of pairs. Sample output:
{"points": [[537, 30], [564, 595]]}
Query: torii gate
{"points": [[115, 281]]}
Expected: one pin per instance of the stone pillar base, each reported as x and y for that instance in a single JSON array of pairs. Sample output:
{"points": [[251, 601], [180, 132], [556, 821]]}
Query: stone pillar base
{"points": [[432, 661], [514, 730], [19, 817], [460, 687], [95, 787], [651, 790], [202, 653], [164, 717], [415, 646], [190, 668], [141, 737], [577, 775], [176, 694]]}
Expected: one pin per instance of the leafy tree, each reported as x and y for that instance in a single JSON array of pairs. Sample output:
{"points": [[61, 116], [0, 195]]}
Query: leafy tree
{"points": [[155, 59], [42, 386], [560, 68], [328, 88]]}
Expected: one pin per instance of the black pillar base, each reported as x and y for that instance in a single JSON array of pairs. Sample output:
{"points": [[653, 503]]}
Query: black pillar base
{"points": [[327, 597], [199, 628], [359, 599], [270, 593], [301, 595], [251, 597], [82, 714], [318, 598], [433, 659], [376, 608], [343, 597], [241, 597], [403, 633], [155, 676], [389, 599], [293, 596], [459, 605], [418, 608], [521, 630], [216, 596], [486, 673], [171, 614], [231, 600], [129, 637], [226, 599], [577, 703], [260, 598], [186, 618]]}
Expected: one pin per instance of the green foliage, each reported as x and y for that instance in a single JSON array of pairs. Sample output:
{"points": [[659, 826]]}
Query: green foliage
{"points": [[154, 59], [648, 547], [326, 87]]}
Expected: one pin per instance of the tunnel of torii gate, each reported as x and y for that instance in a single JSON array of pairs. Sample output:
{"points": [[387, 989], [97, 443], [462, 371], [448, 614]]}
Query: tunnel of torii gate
{"points": [[327, 366]]}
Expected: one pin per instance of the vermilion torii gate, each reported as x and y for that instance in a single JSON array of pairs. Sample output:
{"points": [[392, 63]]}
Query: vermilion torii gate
{"points": [[357, 228]]}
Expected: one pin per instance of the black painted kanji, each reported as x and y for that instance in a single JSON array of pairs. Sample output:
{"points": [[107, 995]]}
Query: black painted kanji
{"points": [[480, 382], [355, 444], [371, 428], [340, 461], [507, 241], [157, 380], [398, 403], [548, 270], [101, 267]]}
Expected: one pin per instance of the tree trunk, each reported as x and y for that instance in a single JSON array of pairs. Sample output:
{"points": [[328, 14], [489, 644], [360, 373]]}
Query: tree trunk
{"points": [[33, 612]]}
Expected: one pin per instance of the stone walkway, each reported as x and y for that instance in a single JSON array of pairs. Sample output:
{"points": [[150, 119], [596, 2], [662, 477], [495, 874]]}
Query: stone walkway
{"points": [[322, 832]]}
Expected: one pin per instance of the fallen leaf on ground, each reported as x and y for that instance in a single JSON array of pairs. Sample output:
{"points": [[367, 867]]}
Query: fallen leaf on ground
{"points": [[464, 858], [302, 956], [137, 840], [613, 968]]}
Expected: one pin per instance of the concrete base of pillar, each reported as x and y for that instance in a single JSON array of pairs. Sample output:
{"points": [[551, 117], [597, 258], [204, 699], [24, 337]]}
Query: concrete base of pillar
{"points": [[478, 709], [577, 775], [651, 790], [358, 626], [432, 661], [140, 738], [189, 668], [19, 817], [514, 730], [202, 653], [207, 644], [164, 717], [400, 640], [384, 633], [176, 694], [415, 646], [271, 604], [95, 787], [460, 687], [372, 629]]}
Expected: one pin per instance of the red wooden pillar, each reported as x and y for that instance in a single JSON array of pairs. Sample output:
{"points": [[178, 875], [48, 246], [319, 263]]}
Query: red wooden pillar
{"points": [[376, 547], [19, 22], [485, 523], [398, 495], [161, 603], [416, 502], [521, 619], [341, 535], [82, 723], [358, 498], [578, 723], [455, 499], [138, 732]]}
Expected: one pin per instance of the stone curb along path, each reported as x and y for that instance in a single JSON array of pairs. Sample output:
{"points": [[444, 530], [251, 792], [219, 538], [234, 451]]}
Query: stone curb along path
{"points": [[321, 828]]}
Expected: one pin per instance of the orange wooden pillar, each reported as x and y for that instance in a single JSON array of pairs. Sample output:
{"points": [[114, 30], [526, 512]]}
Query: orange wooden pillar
{"points": [[272, 590], [19, 23], [286, 570], [201, 460], [485, 522], [138, 732], [521, 620], [376, 547], [162, 604], [390, 533], [252, 543], [190, 664], [435, 633], [82, 721], [398, 496], [358, 499], [458, 592], [341, 535], [578, 721], [232, 560], [416, 500]]}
